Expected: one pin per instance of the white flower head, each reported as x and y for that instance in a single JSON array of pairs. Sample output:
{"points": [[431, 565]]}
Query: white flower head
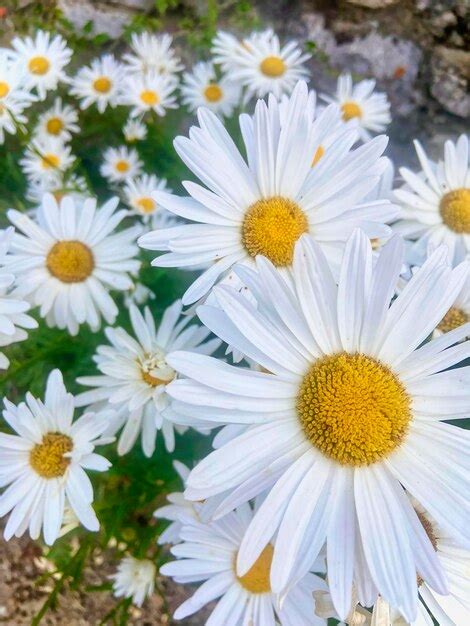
{"points": [[100, 83], [59, 121], [138, 194], [149, 92], [152, 53], [47, 157], [201, 87], [120, 164], [14, 96], [73, 185], [135, 578], [134, 130]]}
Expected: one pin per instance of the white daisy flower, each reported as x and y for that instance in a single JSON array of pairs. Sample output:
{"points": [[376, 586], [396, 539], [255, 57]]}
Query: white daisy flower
{"points": [[11, 114], [99, 83], [264, 206], [371, 111], [459, 312], [14, 322], [261, 64], [42, 60], [138, 194], [75, 186], [208, 554], [47, 157], [225, 47], [436, 201], [59, 121], [135, 374], [152, 53], [201, 87], [149, 92], [120, 164], [350, 409], [135, 578], [67, 260], [134, 130], [14, 97], [44, 463]]}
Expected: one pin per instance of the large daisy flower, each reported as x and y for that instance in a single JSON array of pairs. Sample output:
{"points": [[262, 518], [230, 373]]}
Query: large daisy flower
{"points": [[44, 463], [152, 53], [58, 121], [47, 158], [149, 92], [347, 410], [135, 374], [67, 259], [264, 205], [208, 554], [201, 87], [99, 84], [120, 164], [436, 201], [369, 109]]}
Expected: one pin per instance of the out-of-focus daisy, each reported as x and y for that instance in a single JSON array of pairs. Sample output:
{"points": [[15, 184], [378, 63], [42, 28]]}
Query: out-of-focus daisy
{"points": [[262, 65], [369, 109], [75, 186], [436, 201], [209, 553], [134, 130], [152, 53], [458, 314], [135, 374], [67, 260], [100, 83], [135, 578], [44, 463], [120, 164], [14, 97], [42, 60], [14, 322], [138, 294], [201, 87], [149, 92], [46, 157], [138, 193], [59, 121], [225, 47], [11, 114], [348, 411], [265, 205]]}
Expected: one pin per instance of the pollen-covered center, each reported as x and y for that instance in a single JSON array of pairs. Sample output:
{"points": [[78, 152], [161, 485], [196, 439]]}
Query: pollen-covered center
{"points": [[122, 166], [54, 125], [350, 110], [454, 318], [4, 89], [273, 67], [102, 84], [154, 369], [271, 227], [70, 261], [149, 97], [39, 65], [455, 210], [213, 93], [146, 204], [353, 408], [47, 458], [50, 161], [257, 579]]}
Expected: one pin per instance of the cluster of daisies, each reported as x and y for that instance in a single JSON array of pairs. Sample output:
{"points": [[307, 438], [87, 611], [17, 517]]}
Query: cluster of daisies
{"points": [[323, 340]]}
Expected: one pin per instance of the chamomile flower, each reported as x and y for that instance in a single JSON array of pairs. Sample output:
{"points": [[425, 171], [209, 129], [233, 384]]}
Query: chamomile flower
{"points": [[138, 194], [59, 121], [135, 374], [264, 205], [348, 411], [47, 157], [42, 60], [208, 554], [201, 87], [100, 83], [369, 109], [67, 260], [152, 53], [149, 92], [134, 130], [120, 164], [14, 321], [45, 462], [436, 201], [135, 578]]}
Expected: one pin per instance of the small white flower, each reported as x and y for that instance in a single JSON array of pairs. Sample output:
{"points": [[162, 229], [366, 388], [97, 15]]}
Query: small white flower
{"points": [[75, 186], [14, 96], [47, 157], [149, 92], [135, 578], [152, 53], [138, 194], [134, 130], [100, 83], [201, 87], [46, 462], [120, 164], [59, 121]]}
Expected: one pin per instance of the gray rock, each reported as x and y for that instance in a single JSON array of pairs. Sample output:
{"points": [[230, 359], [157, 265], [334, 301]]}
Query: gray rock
{"points": [[108, 18], [450, 74]]}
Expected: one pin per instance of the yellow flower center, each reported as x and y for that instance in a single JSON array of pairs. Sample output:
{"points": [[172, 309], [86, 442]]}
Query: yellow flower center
{"points": [[49, 161], [149, 97], [102, 84], [146, 205], [47, 458], [39, 65], [271, 227], [320, 151], [455, 210], [273, 67], [70, 261], [454, 318], [153, 381], [54, 125], [213, 93], [154, 369], [351, 110], [257, 579], [4, 89], [122, 166], [353, 408]]}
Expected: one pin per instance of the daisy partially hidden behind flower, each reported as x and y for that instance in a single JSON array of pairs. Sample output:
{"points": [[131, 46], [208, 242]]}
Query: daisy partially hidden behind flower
{"points": [[347, 411], [99, 84], [152, 53], [134, 130], [14, 96], [138, 193], [44, 463], [201, 87], [120, 164], [135, 374], [67, 260], [135, 578]]}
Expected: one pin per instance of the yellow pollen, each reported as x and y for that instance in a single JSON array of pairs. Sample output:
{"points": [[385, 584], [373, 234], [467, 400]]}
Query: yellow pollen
{"points": [[257, 579], [455, 210], [54, 126], [213, 93], [146, 205], [351, 110], [70, 261], [149, 97], [47, 458], [273, 67], [454, 318], [320, 151], [50, 161], [102, 84], [353, 408], [39, 65], [271, 227], [152, 380], [4, 89]]}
